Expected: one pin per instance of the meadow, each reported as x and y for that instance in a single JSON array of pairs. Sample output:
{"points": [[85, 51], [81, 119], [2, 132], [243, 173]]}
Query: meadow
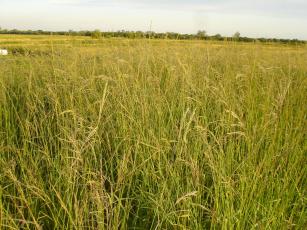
{"points": [[152, 134]]}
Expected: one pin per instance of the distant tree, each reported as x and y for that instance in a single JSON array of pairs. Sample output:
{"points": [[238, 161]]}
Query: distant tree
{"points": [[236, 36], [217, 37], [201, 34], [96, 34], [140, 34]]}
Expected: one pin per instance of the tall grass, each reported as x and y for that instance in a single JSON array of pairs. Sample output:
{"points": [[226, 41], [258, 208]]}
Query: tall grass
{"points": [[125, 134]]}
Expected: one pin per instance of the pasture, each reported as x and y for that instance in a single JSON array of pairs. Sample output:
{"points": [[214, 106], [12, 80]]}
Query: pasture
{"points": [[152, 134]]}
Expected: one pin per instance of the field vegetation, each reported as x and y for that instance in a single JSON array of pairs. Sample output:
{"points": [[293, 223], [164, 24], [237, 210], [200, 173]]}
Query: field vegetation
{"points": [[152, 134]]}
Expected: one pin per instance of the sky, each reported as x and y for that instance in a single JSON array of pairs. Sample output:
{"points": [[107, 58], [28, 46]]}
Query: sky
{"points": [[252, 18]]}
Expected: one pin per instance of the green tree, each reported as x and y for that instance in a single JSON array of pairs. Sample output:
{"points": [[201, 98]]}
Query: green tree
{"points": [[201, 34], [96, 34], [236, 36], [217, 37]]}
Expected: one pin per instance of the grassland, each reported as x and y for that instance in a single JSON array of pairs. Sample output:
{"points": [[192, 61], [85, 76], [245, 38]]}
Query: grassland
{"points": [[143, 134]]}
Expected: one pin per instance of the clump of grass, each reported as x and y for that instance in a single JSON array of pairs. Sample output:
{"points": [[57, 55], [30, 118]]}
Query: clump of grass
{"points": [[136, 134]]}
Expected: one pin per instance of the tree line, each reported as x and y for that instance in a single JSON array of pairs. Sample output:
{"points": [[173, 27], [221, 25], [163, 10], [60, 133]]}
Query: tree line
{"points": [[200, 35]]}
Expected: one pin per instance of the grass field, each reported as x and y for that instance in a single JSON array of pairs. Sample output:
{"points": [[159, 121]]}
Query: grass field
{"points": [[152, 134]]}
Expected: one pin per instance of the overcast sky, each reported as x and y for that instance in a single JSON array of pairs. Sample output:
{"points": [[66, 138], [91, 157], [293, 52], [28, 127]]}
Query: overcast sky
{"points": [[254, 18]]}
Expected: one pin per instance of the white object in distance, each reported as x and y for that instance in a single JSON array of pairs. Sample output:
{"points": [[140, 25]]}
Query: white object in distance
{"points": [[3, 52]]}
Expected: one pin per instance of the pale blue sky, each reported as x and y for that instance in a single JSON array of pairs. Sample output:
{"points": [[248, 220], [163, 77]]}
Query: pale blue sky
{"points": [[254, 18]]}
